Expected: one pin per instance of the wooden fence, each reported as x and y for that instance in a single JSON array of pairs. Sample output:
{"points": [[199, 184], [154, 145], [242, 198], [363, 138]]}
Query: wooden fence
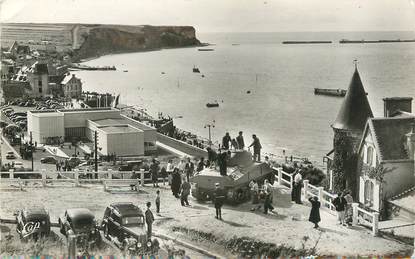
{"points": [[360, 215]]}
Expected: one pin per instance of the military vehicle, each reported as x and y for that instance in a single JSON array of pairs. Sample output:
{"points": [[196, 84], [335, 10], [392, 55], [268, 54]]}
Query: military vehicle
{"points": [[241, 170]]}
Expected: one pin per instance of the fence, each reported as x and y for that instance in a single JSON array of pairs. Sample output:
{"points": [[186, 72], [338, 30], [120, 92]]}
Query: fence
{"points": [[360, 215], [104, 177]]}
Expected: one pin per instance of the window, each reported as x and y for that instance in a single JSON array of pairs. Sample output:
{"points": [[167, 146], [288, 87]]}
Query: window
{"points": [[369, 193], [40, 89], [39, 83], [369, 155]]}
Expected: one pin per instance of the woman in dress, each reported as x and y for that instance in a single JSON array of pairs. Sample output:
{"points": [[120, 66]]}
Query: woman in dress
{"points": [[315, 211]]}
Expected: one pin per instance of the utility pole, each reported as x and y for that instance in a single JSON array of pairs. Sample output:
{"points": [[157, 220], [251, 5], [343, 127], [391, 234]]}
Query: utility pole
{"points": [[31, 149], [209, 126], [96, 153]]}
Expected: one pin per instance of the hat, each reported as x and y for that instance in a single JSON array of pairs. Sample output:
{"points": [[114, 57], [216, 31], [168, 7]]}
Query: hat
{"points": [[216, 184]]}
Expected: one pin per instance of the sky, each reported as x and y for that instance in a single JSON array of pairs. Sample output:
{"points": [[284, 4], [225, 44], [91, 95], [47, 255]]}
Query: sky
{"points": [[223, 15]]}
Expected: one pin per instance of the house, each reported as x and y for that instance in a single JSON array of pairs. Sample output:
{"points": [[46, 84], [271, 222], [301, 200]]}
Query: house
{"points": [[72, 86], [348, 128], [386, 155], [38, 78]]}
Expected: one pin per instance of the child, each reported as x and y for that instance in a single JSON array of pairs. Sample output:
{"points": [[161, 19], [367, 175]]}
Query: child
{"points": [[158, 201]]}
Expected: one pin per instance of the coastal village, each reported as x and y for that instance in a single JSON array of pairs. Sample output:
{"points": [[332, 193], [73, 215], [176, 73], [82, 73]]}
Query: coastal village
{"points": [[63, 147]]}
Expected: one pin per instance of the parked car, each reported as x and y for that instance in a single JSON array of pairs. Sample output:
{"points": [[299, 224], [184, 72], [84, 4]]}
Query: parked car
{"points": [[10, 155], [124, 225], [81, 223], [32, 222], [18, 165], [48, 160]]}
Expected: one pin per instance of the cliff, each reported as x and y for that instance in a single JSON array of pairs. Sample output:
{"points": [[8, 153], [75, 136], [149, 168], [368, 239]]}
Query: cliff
{"points": [[101, 40], [91, 40]]}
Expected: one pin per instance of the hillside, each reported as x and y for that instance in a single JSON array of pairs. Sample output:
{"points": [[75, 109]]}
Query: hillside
{"points": [[90, 40]]}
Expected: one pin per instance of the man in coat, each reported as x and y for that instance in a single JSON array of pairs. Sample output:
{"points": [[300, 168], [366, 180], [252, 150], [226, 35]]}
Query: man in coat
{"points": [[154, 170], [185, 192], [256, 144], [340, 203], [149, 220], [225, 141], [315, 211], [240, 141], [218, 199]]}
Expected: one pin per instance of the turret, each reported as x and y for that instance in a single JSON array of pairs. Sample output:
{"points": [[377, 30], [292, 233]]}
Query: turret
{"points": [[348, 130]]}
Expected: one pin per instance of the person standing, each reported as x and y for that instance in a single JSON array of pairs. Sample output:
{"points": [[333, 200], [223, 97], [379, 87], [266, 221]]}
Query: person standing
{"points": [[158, 201], [189, 169], [176, 182], [256, 144], [200, 165], [240, 141], [340, 203], [154, 170], [315, 211], [268, 197], [218, 199], [169, 169], [133, 186], [298, 182], [149, 220], [185, 192], [348, 217], [254, 193], [226, 140], [223, 163], [181, 166]]}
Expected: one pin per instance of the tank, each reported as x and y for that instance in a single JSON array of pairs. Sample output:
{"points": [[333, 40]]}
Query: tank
{"points": [[241, 170]]}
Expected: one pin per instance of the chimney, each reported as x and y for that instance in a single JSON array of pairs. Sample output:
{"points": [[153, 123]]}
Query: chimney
{"points": [[393, 104], [410, 141]]}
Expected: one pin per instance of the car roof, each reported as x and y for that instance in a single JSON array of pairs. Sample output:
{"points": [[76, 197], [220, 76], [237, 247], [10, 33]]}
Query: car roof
{"points": [[126, 209], [34, 210], [79, 212]]}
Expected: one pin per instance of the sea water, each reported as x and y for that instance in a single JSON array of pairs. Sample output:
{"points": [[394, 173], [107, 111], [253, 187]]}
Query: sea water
{"points": [[281, 108]]}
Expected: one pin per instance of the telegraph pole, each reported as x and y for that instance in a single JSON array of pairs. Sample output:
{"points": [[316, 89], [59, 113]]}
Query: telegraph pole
{"points": [[96, 153], [31, 149]]}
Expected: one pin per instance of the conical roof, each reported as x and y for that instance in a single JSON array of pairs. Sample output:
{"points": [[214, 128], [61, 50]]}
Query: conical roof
{"points": [[355, 109]]}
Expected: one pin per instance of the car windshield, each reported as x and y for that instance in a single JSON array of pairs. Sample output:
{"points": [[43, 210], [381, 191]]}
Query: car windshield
{"points": [[133, 220], [83, 223]]}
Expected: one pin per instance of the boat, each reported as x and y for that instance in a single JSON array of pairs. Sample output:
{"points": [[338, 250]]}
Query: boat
{"points": [[125, 71], [308, 42], [204, 49], [196, 70], [330, 92], [211, 105], [345, 41]]}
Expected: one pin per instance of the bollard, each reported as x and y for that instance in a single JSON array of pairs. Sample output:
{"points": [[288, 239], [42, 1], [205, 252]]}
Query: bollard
{"points": [[109, 173], [20, 183], [105, 186], [375, 224], [71, 246], [355, 205], [11, 173], [43, 172], [142, 177], [305, 189], [320, 195], [76, 177]]}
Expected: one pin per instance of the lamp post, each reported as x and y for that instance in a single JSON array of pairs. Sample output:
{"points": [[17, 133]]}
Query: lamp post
{"points": [[210, 126]]}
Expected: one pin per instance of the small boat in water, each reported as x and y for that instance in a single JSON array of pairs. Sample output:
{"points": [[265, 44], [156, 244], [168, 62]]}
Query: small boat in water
{"points": [[330, 92], [196, 70], [211, 105], [125, 71], [205, 49]]}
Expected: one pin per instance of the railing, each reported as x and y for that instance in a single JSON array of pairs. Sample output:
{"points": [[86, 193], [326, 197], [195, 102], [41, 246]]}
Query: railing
{"points": [[284, 178], [360, 215], [104, 177]]}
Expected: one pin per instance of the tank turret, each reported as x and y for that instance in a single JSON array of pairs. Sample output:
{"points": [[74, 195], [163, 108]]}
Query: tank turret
{"points": [[240, 171]]}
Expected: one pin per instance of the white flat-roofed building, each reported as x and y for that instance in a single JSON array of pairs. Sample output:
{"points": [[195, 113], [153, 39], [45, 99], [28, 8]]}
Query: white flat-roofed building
{"points": [[116, 133], [45, 126]]}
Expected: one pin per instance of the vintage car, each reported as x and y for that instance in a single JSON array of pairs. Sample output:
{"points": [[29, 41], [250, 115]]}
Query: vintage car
{"points": [[32, 223], [124, 225], [82, 225]]}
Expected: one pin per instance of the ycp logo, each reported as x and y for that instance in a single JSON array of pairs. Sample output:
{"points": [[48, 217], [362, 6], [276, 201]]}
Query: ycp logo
{"points": [[30, 228]]}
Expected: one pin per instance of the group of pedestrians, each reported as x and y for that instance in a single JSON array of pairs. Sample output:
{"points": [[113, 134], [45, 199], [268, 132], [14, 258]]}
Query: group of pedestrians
{"points": [[265, 193], [238, 143]]}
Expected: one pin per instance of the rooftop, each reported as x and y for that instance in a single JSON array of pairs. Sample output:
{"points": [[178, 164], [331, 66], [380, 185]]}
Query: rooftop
{"points": [[355, 109], [389, 134], [119, 129]]}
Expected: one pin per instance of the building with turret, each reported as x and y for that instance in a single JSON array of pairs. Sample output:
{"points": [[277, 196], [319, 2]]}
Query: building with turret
{"points": [[348, 130]]}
